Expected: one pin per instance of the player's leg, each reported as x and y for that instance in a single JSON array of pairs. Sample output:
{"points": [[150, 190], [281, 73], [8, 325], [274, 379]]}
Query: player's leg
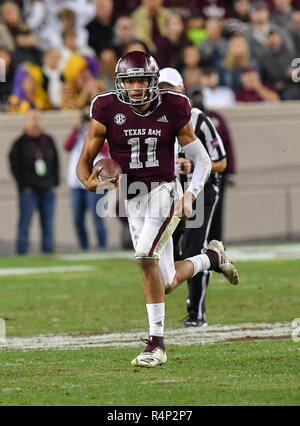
{"points": [[213, 258], [158, 227], [153, 285]]}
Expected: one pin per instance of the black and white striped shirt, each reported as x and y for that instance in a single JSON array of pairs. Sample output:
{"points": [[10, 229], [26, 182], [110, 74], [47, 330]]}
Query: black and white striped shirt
{"points": [[207, 133]]}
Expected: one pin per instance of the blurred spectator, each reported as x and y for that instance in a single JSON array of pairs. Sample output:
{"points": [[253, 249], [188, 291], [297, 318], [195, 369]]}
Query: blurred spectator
{"points": [[100, 29], [190, 69], [11, 17], [25, 46], [282, 14], [176, 40], [253, 90], [170, 47], [6, 39], [26, 49], [234, 27], [125, 8], [150, 22], [107, 66], [241, 10], [195, 27], [276, 63], [67, 19], [22, 41], [137, 45], [52, 77], [35, 167], [71, 48], [212, 49], [28, 90], [215, 96], [83, 200], [7, 85], [80, 85], [41, 16], [295, 31], [257, 34], [269, 3], [237, 57], [18, 2], [215, 9], [123, 35], [84, 11]]}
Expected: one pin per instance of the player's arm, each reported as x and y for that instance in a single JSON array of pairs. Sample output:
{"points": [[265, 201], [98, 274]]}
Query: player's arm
{"points": [[219, 166], [92, 146], [194, 149], [186, 166]]}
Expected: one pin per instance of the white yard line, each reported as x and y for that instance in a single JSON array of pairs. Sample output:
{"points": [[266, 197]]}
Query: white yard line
{"points": [[236, 253], [45, 270], [76, 257], [182, 336]]}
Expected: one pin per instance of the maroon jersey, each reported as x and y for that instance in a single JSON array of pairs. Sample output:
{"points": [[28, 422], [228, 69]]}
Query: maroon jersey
{"points": [[143, 145]]}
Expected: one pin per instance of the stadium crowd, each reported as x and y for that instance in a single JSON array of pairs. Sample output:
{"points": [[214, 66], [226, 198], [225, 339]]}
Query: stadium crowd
{"points": [[58, 54]]}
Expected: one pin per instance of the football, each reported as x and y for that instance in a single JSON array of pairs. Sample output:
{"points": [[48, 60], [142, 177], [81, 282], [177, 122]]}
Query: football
{"points": [[111, 168]]}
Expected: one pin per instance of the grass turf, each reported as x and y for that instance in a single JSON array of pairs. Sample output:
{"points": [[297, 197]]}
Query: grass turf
{"points": [[248, 373], [110, 298]]}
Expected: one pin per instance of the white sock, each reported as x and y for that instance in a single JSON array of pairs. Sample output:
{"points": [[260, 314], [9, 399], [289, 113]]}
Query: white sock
{"points": [[201, 263], [156, 316]]}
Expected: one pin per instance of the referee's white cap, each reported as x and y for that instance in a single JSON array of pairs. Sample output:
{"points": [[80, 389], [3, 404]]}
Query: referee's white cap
{"points": [[171, 76]]}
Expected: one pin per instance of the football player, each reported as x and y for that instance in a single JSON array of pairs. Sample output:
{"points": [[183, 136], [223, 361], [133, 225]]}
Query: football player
{"points": [[141, 124]]}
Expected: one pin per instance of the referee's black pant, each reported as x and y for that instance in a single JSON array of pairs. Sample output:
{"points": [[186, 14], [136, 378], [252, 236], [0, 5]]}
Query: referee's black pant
{"points": [[188, 242]]}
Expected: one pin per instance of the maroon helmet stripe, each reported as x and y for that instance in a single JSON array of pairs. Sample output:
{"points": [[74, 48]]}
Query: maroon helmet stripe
{"points": [[162, 229]]}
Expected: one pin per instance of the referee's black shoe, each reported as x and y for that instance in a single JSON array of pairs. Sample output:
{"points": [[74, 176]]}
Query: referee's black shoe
{"points": [[193, 321]]}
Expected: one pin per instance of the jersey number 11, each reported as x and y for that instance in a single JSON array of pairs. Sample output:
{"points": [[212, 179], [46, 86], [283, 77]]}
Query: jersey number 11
{"points": [[135, 162]]}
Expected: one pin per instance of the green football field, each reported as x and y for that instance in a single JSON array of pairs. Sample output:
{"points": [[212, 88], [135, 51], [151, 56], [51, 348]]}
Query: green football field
{"points": [[247, 355]]}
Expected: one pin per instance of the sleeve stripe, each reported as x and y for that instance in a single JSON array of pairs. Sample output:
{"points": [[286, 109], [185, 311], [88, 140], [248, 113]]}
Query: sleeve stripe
{"points": [[211, 127], [108, 92], [204, 120], [198, 124]]}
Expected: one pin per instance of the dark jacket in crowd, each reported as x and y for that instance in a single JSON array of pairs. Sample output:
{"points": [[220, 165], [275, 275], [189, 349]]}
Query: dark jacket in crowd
{"points": [[23, 155], [99, 36]]}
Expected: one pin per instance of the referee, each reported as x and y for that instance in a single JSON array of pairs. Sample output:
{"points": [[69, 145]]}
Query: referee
{"points": [[188, 241]]}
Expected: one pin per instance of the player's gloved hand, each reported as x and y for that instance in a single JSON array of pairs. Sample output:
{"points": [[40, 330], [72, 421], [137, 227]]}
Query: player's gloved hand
{"points": [[184, 207]]}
